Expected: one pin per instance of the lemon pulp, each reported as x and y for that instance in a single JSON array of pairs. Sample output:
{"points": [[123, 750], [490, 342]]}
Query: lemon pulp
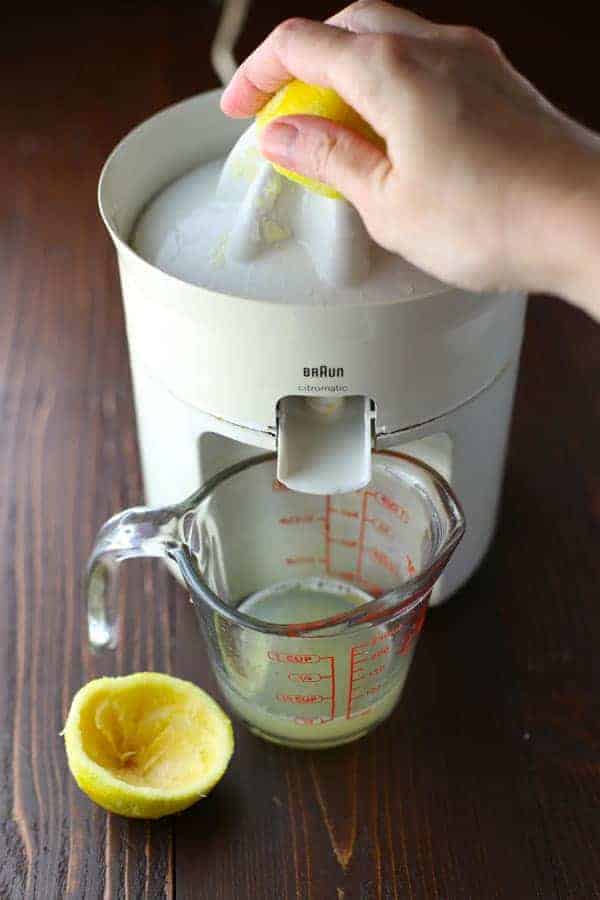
{"points": [[299, 98], [146, 745]]}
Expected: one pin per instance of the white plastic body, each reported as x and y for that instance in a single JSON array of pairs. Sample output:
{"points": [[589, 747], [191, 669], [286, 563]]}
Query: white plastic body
{"points": [[181, 447], [209, 363], [324, 445]]}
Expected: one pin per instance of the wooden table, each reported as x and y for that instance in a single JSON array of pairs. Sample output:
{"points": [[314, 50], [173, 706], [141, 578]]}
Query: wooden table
{"points": [[485, 783]]}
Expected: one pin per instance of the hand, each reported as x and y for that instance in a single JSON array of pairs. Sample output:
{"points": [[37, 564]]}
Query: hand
{"points": [[484, 184]]}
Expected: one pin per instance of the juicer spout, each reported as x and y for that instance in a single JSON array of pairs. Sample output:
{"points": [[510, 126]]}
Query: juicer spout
{"points": [[324, 444]]}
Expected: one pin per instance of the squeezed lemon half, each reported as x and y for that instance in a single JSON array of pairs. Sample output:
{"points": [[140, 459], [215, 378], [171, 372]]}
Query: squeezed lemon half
{"points": [[146, 745], [299, 98]]}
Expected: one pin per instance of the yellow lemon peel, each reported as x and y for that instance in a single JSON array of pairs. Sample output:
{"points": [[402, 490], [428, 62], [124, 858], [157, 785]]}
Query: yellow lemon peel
{"points": [[146, 745], [299, 98]]}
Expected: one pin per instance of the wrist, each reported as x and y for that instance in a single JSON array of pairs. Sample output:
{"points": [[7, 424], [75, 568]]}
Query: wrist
{"points": [[581, 266], [563, 241]]}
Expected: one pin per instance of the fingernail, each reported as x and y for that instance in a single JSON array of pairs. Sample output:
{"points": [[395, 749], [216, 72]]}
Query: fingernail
{"points": [[278, 139], [230, 99], [225, 96]]}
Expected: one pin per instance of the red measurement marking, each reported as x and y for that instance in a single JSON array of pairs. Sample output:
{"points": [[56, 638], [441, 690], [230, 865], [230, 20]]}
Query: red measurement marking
{"points": [[391, 505], [306, 677], [379, 525], [382, 559], [327, 534], [359, 658], [343, 542], [347, 513], [301, 560], [410, 567], [350, 684], [388, 635], [301, 698], [302, 658], [359, 672], [361, 653], [373, 589], [356, 657], [332, 664], [347, 576], [368, 586], [307, 519], [384, 636], [361, 533], [278, 486], [412, 631]]}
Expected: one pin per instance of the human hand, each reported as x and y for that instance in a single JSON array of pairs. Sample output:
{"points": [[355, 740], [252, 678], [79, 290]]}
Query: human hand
{"points": [[484, 183]]}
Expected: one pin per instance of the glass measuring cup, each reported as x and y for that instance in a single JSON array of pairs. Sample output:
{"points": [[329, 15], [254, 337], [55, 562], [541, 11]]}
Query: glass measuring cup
{"points": [[310, 606]]}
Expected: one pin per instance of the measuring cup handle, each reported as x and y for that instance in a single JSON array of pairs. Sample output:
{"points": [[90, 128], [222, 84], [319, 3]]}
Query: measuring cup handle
{"points": [[135, 532]]}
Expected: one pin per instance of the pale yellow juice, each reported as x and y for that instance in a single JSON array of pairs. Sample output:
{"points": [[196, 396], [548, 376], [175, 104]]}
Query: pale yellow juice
{"points": [[315, 691]]}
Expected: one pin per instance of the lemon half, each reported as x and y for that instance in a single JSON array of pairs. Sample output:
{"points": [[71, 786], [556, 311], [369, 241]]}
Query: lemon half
{"points": [[299, 98], [146, 745]]}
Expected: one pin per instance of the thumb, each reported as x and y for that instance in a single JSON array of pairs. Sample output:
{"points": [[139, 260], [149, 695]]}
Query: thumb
{"points": [[326, 151]]}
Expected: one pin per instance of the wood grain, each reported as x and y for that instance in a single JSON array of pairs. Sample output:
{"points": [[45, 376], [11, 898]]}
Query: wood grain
{"points": [[486, 781]]}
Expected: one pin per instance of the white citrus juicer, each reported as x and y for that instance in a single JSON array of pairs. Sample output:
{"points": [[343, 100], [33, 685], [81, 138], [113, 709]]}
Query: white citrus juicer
{"points": [[261, 315]]}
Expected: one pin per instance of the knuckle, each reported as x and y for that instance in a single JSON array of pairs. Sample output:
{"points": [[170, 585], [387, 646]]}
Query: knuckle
{"points": [[365, 45], [467, 34], [323, 155], [358, 15], [485, 42], [347, 14], [493, 46], [285, 28], [370, 61], [360, 5], [472, 37], [386, 48], [379, 174], [291, 24]]}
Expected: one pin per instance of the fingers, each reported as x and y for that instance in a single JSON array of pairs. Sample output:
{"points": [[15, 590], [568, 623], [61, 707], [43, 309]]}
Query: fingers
{"points": [[327, 152], [241, 95], [358, 67], [377, 17], [318, 53], [298, 48], [355, 52]]}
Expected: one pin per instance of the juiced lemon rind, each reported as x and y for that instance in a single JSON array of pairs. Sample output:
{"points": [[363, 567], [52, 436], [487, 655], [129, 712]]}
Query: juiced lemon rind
{"points": [[138, 800]]}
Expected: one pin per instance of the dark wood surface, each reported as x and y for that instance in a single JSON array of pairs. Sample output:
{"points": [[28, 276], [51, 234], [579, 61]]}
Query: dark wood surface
{"points": [[485, 783]]}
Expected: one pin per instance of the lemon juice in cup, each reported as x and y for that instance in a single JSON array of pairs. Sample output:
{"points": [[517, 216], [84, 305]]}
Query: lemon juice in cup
{"points": [[310, 606], [321, 690]]}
